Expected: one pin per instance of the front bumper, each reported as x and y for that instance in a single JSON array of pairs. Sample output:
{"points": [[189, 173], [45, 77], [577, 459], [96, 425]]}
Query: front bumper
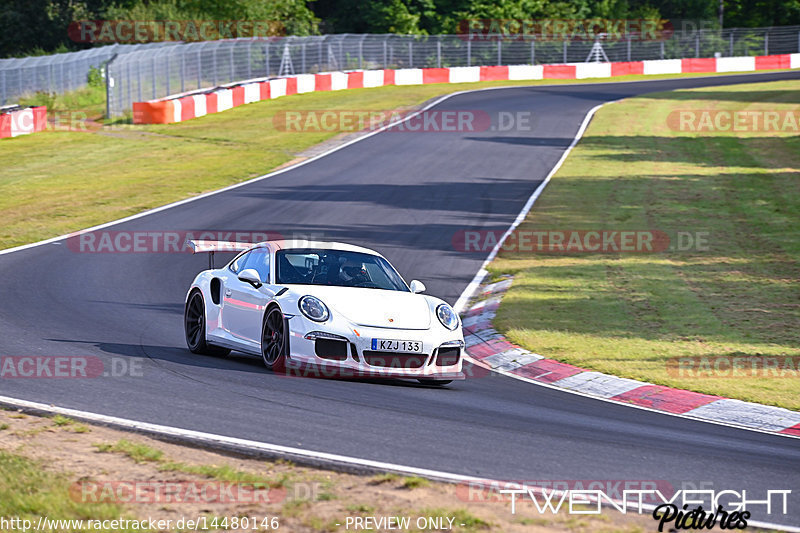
{"points": [[355, 358]]}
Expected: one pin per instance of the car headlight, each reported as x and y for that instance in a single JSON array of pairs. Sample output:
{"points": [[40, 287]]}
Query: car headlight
{"points": [[447, 316], [313, 308]]}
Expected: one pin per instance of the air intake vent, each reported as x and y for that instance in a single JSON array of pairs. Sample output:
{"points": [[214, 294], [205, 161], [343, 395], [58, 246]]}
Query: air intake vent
{"points": [[448, 356], [330, 349]]}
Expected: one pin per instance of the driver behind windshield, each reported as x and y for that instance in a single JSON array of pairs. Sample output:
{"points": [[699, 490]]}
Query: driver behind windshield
{"points": [[353, 273]]}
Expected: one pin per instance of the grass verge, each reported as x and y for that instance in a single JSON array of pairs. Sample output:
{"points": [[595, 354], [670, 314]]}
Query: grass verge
{"points": [[62, 181], [45, 470], [627, 314]]}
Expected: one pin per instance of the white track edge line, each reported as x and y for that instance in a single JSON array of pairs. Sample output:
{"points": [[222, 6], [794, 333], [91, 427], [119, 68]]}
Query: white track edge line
{"points": [[353, 141], [473, 285], [344, 460], [508, 374], [481, 274]]}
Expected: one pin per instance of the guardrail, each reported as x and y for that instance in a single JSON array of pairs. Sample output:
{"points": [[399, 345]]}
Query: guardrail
{"points": [[186, 106], [178, 68]]}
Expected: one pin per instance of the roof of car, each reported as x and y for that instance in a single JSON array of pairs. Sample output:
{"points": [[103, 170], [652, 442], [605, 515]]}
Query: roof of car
{"points": [[320, 245]]}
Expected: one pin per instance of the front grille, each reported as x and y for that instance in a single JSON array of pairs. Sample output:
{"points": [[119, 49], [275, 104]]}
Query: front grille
{"points": [[394, 360], [332, 349], [448, 356]]}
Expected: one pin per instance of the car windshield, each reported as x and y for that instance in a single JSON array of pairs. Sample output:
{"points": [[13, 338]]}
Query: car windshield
{"points": [[337, 268]]}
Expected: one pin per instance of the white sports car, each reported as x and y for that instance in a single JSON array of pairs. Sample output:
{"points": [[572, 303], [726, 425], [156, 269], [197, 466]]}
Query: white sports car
{"points": [[322, 309]]}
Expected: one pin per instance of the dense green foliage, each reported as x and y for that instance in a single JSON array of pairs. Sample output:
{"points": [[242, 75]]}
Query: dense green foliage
{"points": [[40, 26]]}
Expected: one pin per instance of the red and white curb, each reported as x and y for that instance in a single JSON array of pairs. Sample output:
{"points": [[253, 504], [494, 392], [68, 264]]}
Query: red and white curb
{"points": [[186, 106], [490, 349], [22, 121]]}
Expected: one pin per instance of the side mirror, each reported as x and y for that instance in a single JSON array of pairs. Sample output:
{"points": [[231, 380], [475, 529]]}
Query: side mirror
{"points": [[250, 275], [417, 286]]}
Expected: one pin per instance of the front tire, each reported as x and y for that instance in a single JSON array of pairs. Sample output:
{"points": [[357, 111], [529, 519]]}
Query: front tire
{"points": [[194, 322], [273, 340]]}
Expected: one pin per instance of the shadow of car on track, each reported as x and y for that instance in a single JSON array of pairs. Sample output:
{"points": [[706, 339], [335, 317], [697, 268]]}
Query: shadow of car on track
{"points": [[172, 359]]}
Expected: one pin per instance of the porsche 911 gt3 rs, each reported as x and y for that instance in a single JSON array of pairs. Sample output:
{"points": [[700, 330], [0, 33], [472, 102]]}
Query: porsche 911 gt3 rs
{"points": [[322, 308]]}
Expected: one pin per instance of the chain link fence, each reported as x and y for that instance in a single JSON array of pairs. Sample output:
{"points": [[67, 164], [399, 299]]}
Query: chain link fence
{"points": [[178, 68], [57, 73], [155, 70]]}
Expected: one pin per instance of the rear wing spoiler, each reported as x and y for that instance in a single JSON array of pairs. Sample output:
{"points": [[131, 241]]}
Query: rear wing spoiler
{"points": [[209, 247]]}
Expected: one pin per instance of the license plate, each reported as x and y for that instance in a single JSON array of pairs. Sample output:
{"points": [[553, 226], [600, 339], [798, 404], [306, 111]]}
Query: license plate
{"points": [[388, 345]]}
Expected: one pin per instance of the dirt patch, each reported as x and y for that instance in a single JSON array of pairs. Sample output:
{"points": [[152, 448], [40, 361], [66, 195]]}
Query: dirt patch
{"points": [[300, 499]]}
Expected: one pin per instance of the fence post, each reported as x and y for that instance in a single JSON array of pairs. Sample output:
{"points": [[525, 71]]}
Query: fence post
{"points": [[439, 54], [361, 53], [166, 71], [499, 52], [250, 60], [533, 51], [109, 87], [139, 79], [183, 72], [127, 85], [697, 45], [153, 75], [3, 102], [385, 64], [662, 49], [629, 47], [731, 39], [565, 50], [266, 57], [303, 56], [469, 52], [233, 71], [215, 66], [766, 43], [410, 54]]}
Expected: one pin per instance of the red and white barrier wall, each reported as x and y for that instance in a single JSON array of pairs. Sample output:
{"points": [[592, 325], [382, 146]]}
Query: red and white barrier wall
{"points": [[184, 107], [23, 121]]}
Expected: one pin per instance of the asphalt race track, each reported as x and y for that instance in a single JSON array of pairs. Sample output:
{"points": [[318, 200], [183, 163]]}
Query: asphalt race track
{"points": [[404, 195]]}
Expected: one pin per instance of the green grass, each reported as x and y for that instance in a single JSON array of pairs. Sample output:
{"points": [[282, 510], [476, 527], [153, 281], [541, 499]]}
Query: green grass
{"points": [[80, 179], [140, 453], [626, 314], [414, 482], [90, 100], [29, 492], [224, 473], [70, 425]]}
